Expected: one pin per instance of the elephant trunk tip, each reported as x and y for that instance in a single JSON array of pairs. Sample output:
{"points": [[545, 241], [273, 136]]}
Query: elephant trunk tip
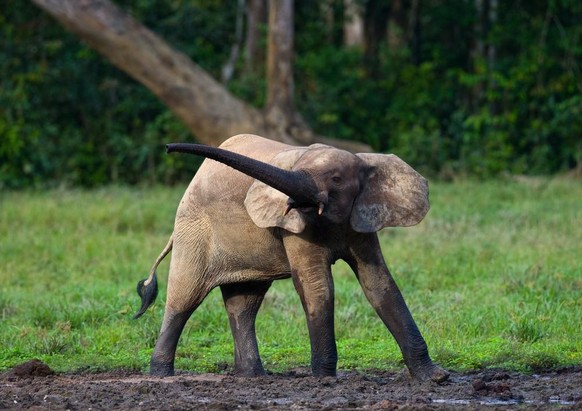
{"points": [[189, 148], [148, 291], [171, 147]]}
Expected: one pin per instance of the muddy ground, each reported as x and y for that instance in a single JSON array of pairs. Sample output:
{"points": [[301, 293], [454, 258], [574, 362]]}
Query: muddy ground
{"points": [[34, 386]]}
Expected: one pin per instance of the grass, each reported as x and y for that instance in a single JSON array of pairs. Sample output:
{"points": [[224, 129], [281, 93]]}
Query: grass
{"points": [[493, 277]]}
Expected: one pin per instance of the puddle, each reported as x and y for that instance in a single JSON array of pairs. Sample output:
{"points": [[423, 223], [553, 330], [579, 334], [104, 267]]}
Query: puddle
{"points": [[498, 402], [452, 402], [560, 402]]}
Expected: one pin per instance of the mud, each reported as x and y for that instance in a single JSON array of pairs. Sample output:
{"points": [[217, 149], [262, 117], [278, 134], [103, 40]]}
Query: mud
{"points": [[34, 386]]}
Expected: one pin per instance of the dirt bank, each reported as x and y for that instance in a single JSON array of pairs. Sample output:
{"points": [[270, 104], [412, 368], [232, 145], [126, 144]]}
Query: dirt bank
{"points": [[35, 386]]}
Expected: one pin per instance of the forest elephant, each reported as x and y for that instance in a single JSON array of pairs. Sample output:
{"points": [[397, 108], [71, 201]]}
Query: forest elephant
{"points": [[259, 210]]}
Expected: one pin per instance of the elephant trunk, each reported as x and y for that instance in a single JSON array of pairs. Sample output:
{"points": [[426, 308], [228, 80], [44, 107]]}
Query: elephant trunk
{"points": [[299, 186]]}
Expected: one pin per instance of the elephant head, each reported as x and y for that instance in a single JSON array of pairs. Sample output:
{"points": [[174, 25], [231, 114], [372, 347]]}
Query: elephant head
{"points": [[371, 191]]}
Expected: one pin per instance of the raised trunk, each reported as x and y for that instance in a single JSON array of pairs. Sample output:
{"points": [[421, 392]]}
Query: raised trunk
{"points": [[297, 185]]}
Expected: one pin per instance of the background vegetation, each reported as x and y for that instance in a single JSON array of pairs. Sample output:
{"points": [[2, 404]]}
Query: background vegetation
{"points": [[492, 276], [458, 100]]}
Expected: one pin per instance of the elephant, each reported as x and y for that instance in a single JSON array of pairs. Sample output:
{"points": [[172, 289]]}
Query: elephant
{"points": [[259, 210]]}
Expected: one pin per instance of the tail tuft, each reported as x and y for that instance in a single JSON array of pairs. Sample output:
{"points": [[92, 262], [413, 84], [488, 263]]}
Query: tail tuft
{"points": [[148, 294]]}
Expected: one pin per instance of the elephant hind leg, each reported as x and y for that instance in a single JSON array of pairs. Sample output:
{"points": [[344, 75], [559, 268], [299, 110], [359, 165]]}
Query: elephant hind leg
{"points": [[162, 361], [187, 288], [242, 302]]}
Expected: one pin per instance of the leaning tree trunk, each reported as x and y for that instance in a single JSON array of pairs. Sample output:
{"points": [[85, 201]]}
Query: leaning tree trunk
{"points": [[202, 103], [210, 112]]}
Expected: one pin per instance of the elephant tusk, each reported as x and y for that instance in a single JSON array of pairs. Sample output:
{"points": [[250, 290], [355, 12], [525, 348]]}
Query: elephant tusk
{"points": [[292, 204], [287, 209]]}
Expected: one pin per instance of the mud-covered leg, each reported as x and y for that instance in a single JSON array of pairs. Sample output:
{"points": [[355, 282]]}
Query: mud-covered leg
{"points": [[162, 361], [187, 288], [242, 302], [175, 317], [383, 294], [311, 273]]}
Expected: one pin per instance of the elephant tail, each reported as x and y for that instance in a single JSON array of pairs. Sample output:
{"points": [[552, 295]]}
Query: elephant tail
{"points": [[148, 289]]}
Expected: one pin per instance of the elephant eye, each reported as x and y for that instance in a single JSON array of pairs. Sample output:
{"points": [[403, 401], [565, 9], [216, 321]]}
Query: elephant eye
{"points": [[336, 179]]}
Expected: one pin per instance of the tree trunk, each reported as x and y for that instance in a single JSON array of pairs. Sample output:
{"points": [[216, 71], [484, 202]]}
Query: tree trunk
{"points": [[353, 24], [491, 55], [398, 34], [376, 16], [279, 62], [483, 54], [254, 53], [280, 109], [230, 65], [333, 14], [415, 35], [210, 112]]}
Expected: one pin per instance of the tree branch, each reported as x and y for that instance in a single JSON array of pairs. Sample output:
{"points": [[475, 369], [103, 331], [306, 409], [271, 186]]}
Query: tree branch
{"points": [[207, 108], [202, 103]]}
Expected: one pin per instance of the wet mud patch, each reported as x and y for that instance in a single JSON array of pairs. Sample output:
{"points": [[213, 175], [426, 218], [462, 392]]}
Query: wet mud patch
{"points": [[24, 387]]}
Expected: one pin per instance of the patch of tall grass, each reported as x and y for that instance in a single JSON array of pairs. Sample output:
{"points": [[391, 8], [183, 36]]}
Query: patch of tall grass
{"points": [[493, 277]]}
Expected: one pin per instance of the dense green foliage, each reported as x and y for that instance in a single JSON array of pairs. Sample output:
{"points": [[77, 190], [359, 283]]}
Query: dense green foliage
{"points": [[455, 111], [492, 276], [68, 117]]}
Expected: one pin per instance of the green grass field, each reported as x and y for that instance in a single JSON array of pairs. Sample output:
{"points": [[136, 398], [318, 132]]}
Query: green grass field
{"points": [[493, 277]]}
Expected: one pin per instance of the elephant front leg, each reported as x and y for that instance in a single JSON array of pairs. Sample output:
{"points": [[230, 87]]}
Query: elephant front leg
{"points": [[242, 302], [312, 279], [383, 294]]}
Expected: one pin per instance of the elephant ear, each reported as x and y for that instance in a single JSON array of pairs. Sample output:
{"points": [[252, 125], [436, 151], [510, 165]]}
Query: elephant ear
{"points": [[394, 195], [266, 205]]}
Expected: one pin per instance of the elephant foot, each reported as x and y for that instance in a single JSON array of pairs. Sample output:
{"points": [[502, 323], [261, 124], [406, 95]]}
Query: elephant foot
{"points": [[161, 369], [329, 371], [324, 365], [250, 373], [431, 372], [248, 367]]}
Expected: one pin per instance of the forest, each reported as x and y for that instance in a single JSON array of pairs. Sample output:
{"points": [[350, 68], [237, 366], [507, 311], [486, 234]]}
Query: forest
{"points": [[460, 88]]}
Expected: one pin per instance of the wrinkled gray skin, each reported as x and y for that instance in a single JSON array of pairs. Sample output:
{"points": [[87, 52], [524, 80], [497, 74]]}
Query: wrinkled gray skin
{"points": [[237, 233]]}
